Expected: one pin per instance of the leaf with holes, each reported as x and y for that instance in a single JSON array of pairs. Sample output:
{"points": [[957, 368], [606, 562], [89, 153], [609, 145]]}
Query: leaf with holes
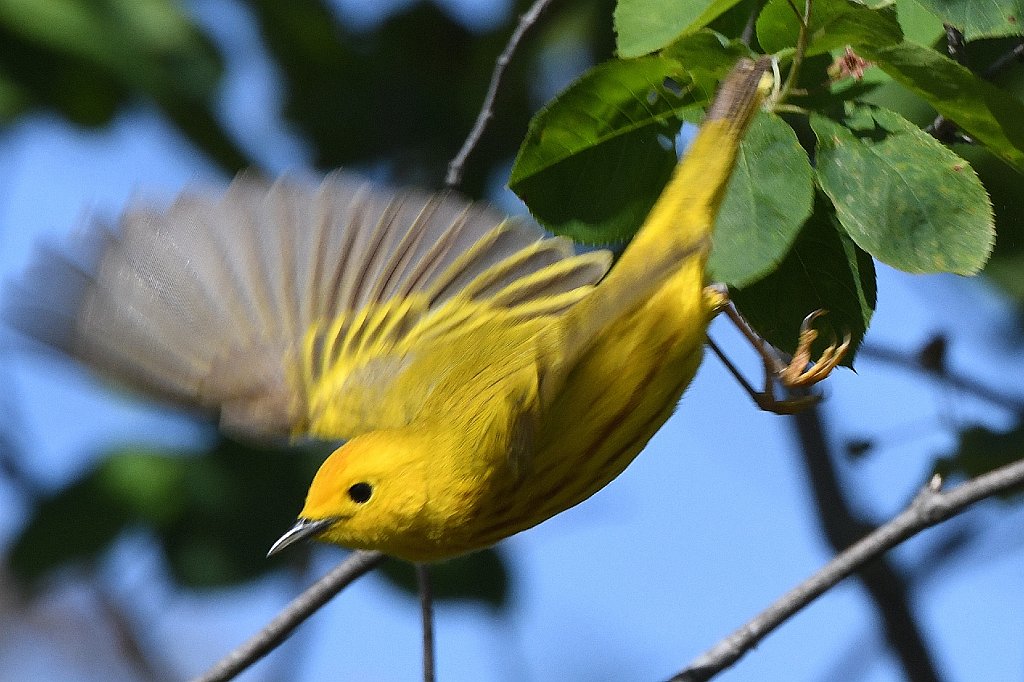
{"points": [[903, 197], [988, 114], [989, 19]]}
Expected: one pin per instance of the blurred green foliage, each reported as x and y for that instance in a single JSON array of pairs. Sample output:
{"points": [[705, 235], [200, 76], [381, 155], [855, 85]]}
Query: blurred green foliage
{"points": [[982, 450], [481, 576], [404, 93], [214, 513], [86, 60]]}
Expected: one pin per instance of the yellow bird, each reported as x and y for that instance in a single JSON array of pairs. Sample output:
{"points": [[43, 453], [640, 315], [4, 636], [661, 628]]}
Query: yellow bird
{"points": [[486, 378]]}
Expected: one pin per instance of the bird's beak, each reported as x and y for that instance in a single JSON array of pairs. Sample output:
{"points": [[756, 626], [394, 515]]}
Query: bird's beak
{"points": [[303, 529]]}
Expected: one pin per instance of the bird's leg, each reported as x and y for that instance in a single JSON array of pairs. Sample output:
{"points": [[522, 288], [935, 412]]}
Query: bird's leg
{"points": [[790, 372], [797, 373]]}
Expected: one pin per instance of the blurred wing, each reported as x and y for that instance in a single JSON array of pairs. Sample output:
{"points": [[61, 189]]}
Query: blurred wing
{"points": [[235, 304]]}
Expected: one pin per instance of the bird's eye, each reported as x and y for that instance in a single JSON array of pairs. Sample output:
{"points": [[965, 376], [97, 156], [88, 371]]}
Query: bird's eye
{"points": [[360, 492]]}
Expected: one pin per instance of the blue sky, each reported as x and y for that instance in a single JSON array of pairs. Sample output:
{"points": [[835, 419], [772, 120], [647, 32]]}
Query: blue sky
{"points": [[709, 525]]}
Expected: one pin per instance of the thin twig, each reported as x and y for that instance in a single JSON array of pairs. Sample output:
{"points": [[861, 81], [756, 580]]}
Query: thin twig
{"points": [[930, 507], [301, 608], [962, 383], [737, 375], [1005, 61], [842, 525], [748, 29], [455, 168], [427, 610], [942, 129], [127, 634], [801, 48]]}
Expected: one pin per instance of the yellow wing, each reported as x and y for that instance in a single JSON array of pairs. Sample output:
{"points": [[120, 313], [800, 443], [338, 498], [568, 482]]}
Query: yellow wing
{"points": [[245, 303]]}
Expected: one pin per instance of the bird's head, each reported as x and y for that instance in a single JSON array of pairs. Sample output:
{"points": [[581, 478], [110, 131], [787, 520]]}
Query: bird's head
{"points": [[368, 494]]}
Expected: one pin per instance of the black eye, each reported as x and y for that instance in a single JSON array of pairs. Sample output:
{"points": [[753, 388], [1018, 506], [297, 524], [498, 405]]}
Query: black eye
{"points": [[360, 492]]}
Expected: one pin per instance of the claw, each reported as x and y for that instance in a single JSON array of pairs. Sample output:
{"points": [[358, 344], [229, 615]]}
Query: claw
{"points": [[716, 297], [797, 374]]}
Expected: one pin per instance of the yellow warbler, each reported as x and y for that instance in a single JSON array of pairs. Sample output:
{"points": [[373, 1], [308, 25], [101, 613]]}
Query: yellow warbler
{"points": [[486, 378]]}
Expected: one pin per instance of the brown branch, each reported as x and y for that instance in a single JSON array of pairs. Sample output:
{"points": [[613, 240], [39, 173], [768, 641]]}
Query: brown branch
{"points": [[943, 374], [427, 612], [301, 608], [748, 30], [944, 130], [843, 526], [930, 507], [527, 20], [126, 633], [1006, 60]]}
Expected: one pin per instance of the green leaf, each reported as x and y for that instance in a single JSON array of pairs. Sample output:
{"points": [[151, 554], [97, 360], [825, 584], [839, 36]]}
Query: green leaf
{"points": [[823, 270], [237, 500], [1006, 264], [919, 25], [903, 197], [87, 59], [143, 42], [481, 576], [982, 110], [643, 26], [769, 197], [596, 158], [988, 19], [215, 515], [1004, 271], [981, 451], [76, 524], [707, 52], [834, 24], [148, 485], [13, 98]]}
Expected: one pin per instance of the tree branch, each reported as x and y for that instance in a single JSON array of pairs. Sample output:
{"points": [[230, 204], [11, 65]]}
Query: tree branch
{"points": [[527, 20], [943, 374], [930, 507], [942, 129], [146, 665], [748, 30], [301, 608], [427, 612], [843, 526]]}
